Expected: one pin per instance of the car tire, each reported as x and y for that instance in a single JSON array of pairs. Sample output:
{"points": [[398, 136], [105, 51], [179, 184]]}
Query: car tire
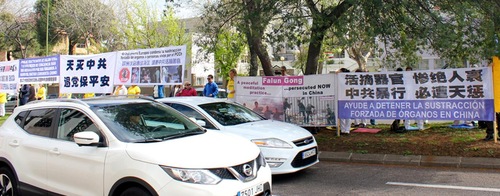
{"points": [[133, 191], [8, 182]]}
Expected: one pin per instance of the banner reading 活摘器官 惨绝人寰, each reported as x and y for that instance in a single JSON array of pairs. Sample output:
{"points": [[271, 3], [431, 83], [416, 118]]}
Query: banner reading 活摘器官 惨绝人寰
{"points": [[451, 94], [148, 67], [39, 70], [87, 73], [9, 76]]}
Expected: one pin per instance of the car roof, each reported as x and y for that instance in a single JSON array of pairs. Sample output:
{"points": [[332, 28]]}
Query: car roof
{"points": [[192, 100], [88, 102], [201, 89]]}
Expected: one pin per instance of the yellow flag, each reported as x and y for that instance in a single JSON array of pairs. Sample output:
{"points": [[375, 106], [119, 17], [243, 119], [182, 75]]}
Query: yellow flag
{"points": [[496, 82]]}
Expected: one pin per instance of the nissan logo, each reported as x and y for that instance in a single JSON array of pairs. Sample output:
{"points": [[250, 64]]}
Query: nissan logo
{"points": [[247, 170], [307, 141]]}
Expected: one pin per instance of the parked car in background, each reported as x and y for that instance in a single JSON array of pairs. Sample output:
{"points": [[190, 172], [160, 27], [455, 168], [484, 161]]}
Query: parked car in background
{"points": [[11, 103], [122, 146], [222, 92], [286, 147]]}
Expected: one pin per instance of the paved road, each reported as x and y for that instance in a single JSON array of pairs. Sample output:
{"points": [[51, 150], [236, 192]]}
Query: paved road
{"points": [[328, 178]]}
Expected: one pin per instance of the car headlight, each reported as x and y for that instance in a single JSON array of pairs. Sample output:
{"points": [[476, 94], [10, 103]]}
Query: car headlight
{"points": [[271, 142], [195, 176]]}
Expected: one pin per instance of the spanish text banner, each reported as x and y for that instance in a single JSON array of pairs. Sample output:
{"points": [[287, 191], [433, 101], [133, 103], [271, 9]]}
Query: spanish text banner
{"points": [[39, 70], [147, 67], [87, 73], [8, 76], [454, 94]]}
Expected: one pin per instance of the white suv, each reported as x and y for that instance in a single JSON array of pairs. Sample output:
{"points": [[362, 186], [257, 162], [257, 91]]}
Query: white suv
{"points": [[122, 146]]}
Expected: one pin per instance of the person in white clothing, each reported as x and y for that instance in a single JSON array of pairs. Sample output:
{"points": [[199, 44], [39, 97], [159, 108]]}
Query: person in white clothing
{"points": [[120, 90], [345, 124]]}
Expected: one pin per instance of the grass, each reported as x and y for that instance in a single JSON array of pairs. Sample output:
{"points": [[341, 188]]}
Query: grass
{"points": [[438, 139]]}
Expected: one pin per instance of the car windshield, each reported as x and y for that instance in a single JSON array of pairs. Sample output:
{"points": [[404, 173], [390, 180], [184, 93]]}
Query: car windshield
{"points": [[145, 122], [230, 114]]}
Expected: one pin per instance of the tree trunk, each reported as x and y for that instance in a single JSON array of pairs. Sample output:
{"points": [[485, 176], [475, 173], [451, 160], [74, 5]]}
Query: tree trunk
{"points": [[314, 50], [71, 47], [254, 64], [263, 56]]}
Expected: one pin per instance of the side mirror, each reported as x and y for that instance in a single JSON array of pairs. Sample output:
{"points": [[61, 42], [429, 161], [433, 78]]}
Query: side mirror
{"points": [[86, 138], [201, 123]]}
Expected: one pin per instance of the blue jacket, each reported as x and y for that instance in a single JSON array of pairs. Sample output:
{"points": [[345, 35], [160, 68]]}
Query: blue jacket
{"points": [[210, 88]]}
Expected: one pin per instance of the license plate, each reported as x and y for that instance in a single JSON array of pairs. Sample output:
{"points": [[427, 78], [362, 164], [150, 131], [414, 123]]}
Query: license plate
{"points": [[309, 153], [252, 190]]}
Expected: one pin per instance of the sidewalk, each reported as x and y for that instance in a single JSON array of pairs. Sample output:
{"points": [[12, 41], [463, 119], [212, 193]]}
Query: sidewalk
{"points": [[412, 160]]}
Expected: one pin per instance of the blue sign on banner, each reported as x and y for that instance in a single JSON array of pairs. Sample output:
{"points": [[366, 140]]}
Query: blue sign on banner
{"points": [[39, 70]]}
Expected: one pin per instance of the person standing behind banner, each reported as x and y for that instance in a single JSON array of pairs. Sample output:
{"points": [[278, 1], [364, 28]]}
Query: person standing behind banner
{"points": [[120, 90], [3, 100], [42, 93], [32, 93], [407, 123], [134, 90], [230, 85], [211, 89], [490, 128], [88, 95], [24, 94], [158, 92], [65, 95], [173, 91], [345, 124], [186, 91]]}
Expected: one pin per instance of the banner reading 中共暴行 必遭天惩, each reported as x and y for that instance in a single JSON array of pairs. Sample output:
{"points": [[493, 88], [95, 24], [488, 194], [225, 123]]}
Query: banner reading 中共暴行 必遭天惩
{"points": [[450, 94]]}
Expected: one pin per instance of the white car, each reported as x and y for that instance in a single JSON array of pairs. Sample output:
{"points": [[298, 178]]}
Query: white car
{"points": [[122, 146], [286, 147], [222, 92]]}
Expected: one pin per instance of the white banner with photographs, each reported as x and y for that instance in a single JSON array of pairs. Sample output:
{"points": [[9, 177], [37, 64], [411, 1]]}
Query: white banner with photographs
{"points": [[9, 79], [87, 73], [148, 67], [302, 100]]}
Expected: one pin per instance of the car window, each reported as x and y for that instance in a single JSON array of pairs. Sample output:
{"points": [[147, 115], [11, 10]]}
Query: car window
{"points": [[145, 122], [39, 122], [19, 119], [73, 121], [230, 114], [191, 113]]}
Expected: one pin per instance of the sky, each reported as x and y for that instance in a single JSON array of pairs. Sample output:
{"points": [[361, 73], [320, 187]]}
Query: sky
{"points": [[184, 12]]}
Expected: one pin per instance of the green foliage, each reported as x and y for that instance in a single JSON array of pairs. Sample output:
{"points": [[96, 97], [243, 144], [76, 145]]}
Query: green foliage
{"points": [[41, 23], [228, 50], [145, 27]]}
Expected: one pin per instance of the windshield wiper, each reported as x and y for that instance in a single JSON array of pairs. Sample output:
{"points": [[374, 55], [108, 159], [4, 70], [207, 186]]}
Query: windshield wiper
{"points": [[149, 140], [184, 134]]}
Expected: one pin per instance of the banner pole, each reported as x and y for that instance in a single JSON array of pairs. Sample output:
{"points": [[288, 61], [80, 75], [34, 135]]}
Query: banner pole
{"points": [[496, 94]]}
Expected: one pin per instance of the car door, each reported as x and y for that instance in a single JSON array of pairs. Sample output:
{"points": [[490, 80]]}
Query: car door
{"points": [[73, 169], [31, 144]]}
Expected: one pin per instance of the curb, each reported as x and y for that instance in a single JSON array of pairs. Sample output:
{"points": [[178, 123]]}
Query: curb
{"points": [[411, 160]]}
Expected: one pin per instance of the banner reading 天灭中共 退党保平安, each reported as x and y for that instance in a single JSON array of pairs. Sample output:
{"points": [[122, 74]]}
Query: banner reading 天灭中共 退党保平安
{"points": [[87, 73], [451, 94], [303, 100]]}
